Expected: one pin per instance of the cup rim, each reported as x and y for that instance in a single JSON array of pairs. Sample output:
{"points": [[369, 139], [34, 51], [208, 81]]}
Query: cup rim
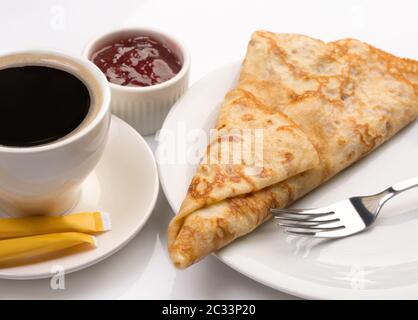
{"points": [[64, 141], [181, 74]]}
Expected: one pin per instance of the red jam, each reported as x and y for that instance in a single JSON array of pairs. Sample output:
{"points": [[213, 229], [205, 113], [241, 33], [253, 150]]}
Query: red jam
{"points": [[137, 61]]}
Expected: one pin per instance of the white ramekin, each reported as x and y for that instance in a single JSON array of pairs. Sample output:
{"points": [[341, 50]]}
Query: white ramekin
{"points": [[145, 108]]}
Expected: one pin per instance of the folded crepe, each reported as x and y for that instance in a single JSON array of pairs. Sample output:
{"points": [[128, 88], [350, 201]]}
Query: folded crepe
{"points": [[320, 107]]}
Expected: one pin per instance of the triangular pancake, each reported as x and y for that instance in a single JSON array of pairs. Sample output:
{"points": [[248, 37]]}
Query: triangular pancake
{"points": [[254, 146], [346, 96]]}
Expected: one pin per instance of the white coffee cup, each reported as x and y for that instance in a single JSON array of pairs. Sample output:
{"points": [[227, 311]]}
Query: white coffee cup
{"points": [[46, 179]]}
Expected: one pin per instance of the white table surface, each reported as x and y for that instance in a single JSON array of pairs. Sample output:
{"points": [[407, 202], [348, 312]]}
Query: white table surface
{"points": [[215, 32]]}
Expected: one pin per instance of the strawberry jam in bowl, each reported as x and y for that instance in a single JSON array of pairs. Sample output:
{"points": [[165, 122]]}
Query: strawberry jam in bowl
{"points": [[147, 71], [137, 61]]}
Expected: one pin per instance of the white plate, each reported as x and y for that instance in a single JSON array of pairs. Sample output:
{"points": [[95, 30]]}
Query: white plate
{"points": [[125, 184], [379, 263]]}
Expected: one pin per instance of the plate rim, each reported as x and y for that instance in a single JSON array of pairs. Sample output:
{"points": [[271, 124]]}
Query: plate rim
{"points": [[170, 114], [287, 284], [141, 223]]}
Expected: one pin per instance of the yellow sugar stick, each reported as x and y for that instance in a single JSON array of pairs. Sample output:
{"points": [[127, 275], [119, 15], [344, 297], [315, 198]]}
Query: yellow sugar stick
{"points": [[25, 250], [86, 222]]}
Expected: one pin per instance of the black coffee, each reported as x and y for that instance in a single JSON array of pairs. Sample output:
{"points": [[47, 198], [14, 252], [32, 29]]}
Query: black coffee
{"points": [[39, 105]]}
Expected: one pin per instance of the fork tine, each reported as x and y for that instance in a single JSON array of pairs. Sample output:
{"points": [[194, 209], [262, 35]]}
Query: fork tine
{"points": [[303, 219], [294, 211], [303, 234], [287, 210], [300, 216], [313, 229], [304, 224]]}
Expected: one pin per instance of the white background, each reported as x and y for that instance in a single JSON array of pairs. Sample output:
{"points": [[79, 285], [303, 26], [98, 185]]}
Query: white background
{"points": [[215, 32]]}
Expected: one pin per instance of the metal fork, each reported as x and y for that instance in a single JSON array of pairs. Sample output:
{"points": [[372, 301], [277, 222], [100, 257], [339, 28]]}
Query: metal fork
{"points": [[340, 219]]}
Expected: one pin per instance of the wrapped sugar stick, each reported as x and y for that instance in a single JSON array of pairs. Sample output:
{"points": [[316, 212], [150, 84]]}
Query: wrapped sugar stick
{"points": [[18, 251], [85, 222]]}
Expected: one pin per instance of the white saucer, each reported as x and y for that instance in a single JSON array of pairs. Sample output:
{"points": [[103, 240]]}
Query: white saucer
{"points": [[379, 263], [125, 184]]}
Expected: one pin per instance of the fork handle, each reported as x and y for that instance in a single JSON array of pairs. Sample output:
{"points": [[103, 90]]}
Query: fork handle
{"points": [[404, 185], [394, 190], [397, 188]]}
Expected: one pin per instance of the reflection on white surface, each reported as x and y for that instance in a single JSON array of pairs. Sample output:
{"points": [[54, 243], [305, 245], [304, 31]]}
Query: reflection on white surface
{"points": [[302, 246], [356, 277], [91, 192]]}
